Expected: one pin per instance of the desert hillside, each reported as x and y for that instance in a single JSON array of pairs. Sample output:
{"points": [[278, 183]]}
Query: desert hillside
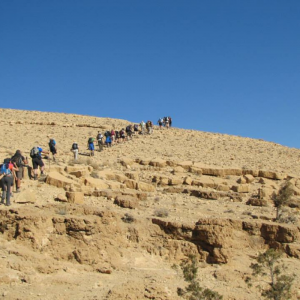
{"points": [[117, 225]]}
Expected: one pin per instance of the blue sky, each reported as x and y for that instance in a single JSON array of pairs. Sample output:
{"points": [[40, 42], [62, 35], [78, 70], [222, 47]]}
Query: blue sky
{"points": [[220, 66]]}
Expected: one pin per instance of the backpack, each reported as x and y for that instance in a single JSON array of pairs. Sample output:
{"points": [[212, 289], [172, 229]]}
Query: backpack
{"points": [[34, 152], [52, 143], [91, 140], [18, 160], [128, 128], [74, 146], [6, 167], [99, 136]]}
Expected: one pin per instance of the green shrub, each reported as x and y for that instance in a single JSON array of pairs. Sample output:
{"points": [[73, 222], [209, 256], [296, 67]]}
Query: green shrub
{"points": [[278, 285], [194, 291], [283, 197]]}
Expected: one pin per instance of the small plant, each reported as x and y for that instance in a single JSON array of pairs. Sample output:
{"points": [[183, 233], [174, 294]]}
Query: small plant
{"points": [[128, 218], [288, 216], [94, 174], [283, 198], [194, 291], [278, 284], [157, 199], [62, 211], [161, 212]]}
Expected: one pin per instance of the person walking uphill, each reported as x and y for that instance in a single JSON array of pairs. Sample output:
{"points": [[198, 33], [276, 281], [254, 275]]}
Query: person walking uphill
{"points": [[36, 155], [91, 146], [7, 180], [52, 147], [99, 139], [75, 150], [20, 161]]}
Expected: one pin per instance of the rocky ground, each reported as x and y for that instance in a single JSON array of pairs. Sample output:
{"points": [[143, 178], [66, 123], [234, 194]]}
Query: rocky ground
{"points": [[116, 225]]}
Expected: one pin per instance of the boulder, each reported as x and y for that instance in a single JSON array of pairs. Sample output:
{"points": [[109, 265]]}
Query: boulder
{"points": [[249, 178], [241, 180], [223, 187], [61, 198], [257, 202], [213, 172], [195, 170], [145, 187], [185, 164], [95, 183], [126, 202], [272, 175], [160, 180], [254, 173], [131, 184], [59, 180], [175, 181], [75, 197], [158, 163], [75, 168], [80, 173], [234, 172], [188, 180], [178, 169], [242, 188]]}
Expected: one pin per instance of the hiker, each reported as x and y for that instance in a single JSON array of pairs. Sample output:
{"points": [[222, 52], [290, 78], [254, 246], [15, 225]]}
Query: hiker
{"points": [[52, 147], [20, 162], [112, 136], [91, 146], [7, 180], [75, 150], [160, 122], [108, 141], [122, 135], [170, 121], [136, 128], [100, 142], [117, 138], [167, 122], [36, 155], [129, 131], [149, 125], [142, 124]]}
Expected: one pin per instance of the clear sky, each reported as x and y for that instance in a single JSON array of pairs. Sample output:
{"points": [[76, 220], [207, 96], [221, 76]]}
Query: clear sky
{"points": [[220, 66]]}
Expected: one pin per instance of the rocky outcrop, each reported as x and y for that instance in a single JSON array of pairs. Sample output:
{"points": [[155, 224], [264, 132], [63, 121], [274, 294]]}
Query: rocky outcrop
{"points": [[60, 181], [218, 239]]}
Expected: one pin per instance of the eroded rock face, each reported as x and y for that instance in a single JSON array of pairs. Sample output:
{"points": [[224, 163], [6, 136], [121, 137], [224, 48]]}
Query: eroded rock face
{"points": [[218, 240]]}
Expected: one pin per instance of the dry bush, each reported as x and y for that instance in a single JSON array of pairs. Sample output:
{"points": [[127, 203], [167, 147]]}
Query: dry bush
{"points": [[161, 212], [94, 175], [128, 218]]}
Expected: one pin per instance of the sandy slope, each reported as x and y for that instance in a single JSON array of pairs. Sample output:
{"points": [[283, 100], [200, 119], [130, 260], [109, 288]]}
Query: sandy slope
{"points": [[138, 271]]}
